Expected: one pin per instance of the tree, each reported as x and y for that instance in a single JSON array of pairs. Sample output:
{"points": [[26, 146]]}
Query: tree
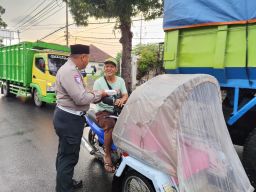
{"points": [[122, 11], [148, 59], [118, 59], [2, 23]]}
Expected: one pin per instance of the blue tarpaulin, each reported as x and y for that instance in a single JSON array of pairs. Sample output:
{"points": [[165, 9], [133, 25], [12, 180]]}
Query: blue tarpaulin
{"points": [[185, 13]]}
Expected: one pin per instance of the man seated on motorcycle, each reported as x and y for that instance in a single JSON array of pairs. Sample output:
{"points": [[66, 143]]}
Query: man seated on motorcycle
{"points": [[109, 82]]}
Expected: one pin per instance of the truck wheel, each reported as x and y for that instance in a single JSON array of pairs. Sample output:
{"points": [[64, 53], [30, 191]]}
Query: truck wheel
{"points": [[135, 182], [249, 156], [36, 98], [5, 89]]}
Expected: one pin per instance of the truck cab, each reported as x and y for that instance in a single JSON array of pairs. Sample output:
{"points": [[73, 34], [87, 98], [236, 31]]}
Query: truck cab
{"points": [[44, 70]]}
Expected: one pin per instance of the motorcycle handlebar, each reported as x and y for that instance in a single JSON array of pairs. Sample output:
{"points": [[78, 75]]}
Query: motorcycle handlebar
{"points": [[109, 100]]}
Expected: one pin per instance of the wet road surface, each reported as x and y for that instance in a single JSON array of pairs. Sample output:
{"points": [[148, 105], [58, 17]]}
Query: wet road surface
{"points": [[28, 146]]}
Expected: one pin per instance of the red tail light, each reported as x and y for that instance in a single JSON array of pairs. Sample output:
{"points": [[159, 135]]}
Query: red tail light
{"points": [[125, 154]]}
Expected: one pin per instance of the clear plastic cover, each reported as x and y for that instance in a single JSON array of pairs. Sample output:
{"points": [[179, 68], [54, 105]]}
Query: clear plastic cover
{"points": [[175, 124]]}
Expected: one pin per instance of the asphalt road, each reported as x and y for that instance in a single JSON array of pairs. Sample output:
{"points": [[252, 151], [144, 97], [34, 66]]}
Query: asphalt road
{"points": [[28, 146]]}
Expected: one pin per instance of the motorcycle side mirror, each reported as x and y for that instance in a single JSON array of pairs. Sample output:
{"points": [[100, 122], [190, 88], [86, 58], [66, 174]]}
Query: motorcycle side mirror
{"points": [[84, 73], [94, 69]]}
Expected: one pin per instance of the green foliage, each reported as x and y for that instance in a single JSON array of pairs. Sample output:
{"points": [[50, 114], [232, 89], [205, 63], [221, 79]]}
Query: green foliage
{"points": [[2, 23], [148, 58], [118, 59], [120, 9], [1, 43]]}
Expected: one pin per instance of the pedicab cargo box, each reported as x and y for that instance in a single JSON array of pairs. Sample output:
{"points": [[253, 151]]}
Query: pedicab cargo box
{"points": [[175, 123]]}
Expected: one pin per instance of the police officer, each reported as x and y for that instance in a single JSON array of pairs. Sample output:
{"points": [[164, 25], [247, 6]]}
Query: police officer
{"points": [[73, 100]]}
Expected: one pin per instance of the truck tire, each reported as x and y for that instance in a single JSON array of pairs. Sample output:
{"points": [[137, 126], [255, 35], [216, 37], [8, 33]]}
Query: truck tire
{"points": [[245, 95], [36, 98], [140, 182], [5, 89], [249, 156]]}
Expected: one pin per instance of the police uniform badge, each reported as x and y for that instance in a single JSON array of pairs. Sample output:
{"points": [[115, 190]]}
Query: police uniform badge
{"points": [[77, 78]]}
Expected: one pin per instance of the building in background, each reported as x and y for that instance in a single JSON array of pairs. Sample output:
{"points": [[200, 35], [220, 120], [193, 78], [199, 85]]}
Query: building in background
{"points": [[8, 37], [97, 58]]}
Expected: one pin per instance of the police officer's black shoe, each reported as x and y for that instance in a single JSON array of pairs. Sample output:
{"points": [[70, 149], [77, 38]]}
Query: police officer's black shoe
{"points": [[77, 184]]}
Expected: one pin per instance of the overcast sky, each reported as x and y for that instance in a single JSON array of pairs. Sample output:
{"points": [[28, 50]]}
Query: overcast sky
{"points": [[36, 19]]}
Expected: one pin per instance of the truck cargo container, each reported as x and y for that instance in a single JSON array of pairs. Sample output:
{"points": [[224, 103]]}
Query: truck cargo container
{"points": [[29, 69], [218, 37]]}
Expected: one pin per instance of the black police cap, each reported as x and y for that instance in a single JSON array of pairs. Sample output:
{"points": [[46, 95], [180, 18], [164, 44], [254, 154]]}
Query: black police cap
{"points": [[79, 49]]}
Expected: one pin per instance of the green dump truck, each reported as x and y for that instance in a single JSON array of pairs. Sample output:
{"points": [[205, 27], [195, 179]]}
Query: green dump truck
{"points": [[218, 37], [29, 69]]}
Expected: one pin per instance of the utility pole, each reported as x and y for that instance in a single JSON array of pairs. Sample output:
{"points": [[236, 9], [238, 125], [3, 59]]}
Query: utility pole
{"points": [[140, 28], [18, 32], [10, 34], [67, 22]]}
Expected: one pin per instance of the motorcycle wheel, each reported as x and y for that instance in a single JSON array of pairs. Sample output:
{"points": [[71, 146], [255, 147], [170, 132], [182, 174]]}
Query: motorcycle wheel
{"points": [[92, 139], [135, 182]]}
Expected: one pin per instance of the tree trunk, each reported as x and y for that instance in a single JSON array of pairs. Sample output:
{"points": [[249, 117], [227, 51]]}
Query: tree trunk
{"points": [[126, 41]]}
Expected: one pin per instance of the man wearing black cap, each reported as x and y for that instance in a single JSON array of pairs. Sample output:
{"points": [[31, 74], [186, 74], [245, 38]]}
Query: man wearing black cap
{"points": [[73, 100]]}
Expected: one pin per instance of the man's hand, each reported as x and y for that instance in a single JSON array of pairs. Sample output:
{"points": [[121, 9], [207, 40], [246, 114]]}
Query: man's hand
{"points": [[119, 102], [103, 93]]}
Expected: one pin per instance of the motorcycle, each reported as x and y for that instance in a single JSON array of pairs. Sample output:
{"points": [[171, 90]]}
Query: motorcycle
{"points": [[171, 136], [94, 142]]}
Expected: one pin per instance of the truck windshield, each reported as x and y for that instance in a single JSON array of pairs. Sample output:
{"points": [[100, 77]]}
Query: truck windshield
{"points": [[55, 62]]}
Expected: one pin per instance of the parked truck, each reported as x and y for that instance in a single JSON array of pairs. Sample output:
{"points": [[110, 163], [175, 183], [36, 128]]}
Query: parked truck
{"points": [[29, 69], [218, 37]]}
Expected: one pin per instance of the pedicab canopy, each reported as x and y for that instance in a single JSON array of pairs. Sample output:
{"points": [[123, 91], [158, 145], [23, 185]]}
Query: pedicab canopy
{"points": [[175, 124], [189, 13]]}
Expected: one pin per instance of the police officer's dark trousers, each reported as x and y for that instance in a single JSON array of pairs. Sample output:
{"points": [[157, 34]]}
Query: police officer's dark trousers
{"points": [[69, 128]]}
